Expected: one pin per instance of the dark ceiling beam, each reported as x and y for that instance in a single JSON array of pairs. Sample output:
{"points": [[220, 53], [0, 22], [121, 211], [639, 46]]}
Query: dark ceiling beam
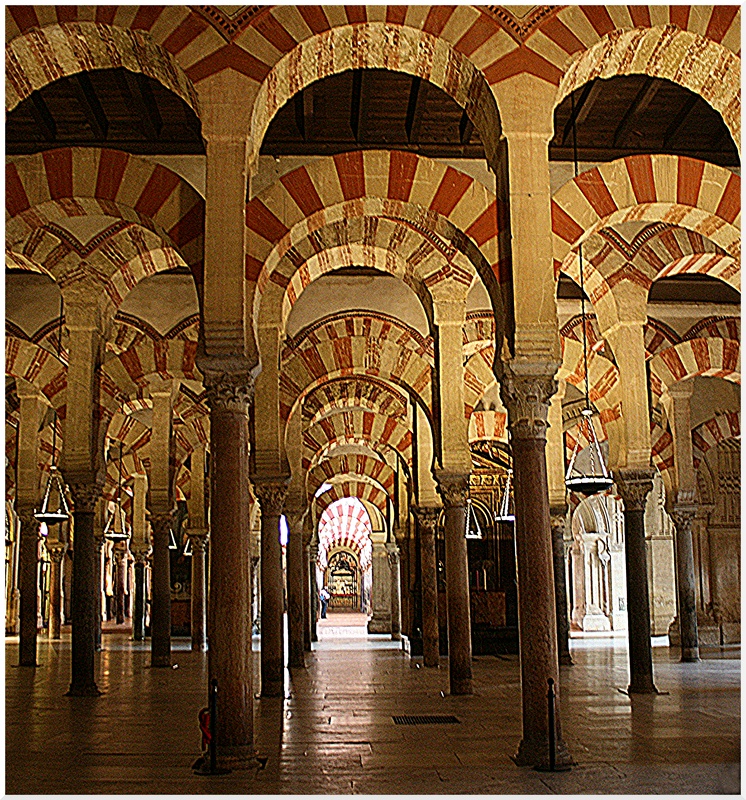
{"points": [[42, 117], [144, 104], [583, 107], [679, 120], [415, 108], [356, 106], [90, 105], [465, 128], [644, 98]]}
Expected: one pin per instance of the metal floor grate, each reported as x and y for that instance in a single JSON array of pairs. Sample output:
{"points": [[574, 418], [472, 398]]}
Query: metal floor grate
{"points": [[425, 719]]}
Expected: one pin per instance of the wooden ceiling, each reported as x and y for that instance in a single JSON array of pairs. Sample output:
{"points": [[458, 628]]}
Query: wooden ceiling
{"points": [[104, 108], [636, 114]]}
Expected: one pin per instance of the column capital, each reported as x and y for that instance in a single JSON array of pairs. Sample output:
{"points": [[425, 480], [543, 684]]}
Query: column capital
{"points": [[160, 522], [141, 556], [271, 493], [558, 517], [393, 553], [56, 550], [453, 487], [85, 495], [526, 396], [634, 485], [228, 381], [427, 516], [683, 517]]}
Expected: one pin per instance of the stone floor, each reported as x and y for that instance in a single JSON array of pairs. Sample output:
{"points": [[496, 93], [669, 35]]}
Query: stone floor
{"points": [[334, 733]]}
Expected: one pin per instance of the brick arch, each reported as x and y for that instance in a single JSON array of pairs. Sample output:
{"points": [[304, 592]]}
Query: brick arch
{"points": [[478, 377], [490, 425], [390, 350], [374, 468], [378, 45], [43, 55], [343, 393], [51, 186], [352, 488], [709, 357], [603, 378], [689, 59], [38, 366], [713, 431], [722, 327], [365, 426], [714, 265]]}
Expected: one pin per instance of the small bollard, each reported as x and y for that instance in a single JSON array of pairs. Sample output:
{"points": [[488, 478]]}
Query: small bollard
{"points": [[210, 766], [552, 730]]}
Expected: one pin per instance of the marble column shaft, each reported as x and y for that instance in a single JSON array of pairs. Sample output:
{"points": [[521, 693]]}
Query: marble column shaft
{"points": [[98, 547], [526, 398], [271, 495], [28, 584], [138, 611], [295, 581], [683, 518], [313, 606], [395, 565], [427, 519], [160, 602], [634, 485], [558, 520], [454, 489], [56, 554], [120, 559], [199, 586]]}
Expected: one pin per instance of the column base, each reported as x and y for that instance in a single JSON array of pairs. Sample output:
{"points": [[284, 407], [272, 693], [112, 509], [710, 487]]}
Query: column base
{"points": [[690, 654], [160, 663], [379, 625], [642, 687], [536, 754], [462, 686], [229, 759], [86, 690]]}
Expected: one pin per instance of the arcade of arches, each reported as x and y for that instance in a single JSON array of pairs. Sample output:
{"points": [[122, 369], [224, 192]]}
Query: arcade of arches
{"points": [[321, 269]]}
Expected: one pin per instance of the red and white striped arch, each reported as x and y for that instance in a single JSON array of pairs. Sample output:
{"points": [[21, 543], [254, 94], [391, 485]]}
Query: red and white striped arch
{"points": [[709, 357], [374, 468], [713, 431], [344, 393], [40, 367], [132, 369], [366, 493], [689, 59], [345, 523], [491, 425], [70, 182], [721, 327]]}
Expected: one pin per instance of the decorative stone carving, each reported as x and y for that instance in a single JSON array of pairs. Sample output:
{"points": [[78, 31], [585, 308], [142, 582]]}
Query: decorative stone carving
{"points": [[427, 517], [160, 523], [453, 487], [683, 517], [271, 494], [199, 542], [526, 398], [394, 554], [85, 496], [634, 485], [228, 381]]}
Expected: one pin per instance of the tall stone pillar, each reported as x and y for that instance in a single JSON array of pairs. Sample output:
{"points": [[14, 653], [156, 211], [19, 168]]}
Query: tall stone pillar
{"points": [[526, 397], [295, 582], [308, 597], [395, 567], [380, 621], [139, 548], [120, 561], [313, 554], [271, 494], [229, 606], [28, 582], [683, 517], [138, 611], [634, 485], [56, 552], [98, 548], [454, 490], [85, 497], [558, 520], [197, 532], [161, 506], [427, 519]]}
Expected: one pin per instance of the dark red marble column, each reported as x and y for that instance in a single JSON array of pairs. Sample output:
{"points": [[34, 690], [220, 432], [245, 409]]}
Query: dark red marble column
{"points": [[160, 602], [295, 574], [683, 516], [98, 544], [28, 584], [526, 397], [229, 606], [634, 485], [271, 494], [85, 496], [427, 519], [454, 489], [558, 521], [138, 611], [56, 552], [199, 630], [120, 559]]}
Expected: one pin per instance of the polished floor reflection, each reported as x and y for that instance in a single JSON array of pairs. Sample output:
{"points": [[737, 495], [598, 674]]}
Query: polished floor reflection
{"points": [[334, 733]]}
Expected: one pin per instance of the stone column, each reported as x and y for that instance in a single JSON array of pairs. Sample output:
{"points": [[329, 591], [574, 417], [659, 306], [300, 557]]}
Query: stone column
{"points": [[558, 516], [526, 390], [197, 532], [634, 485], [271, 494], [56, 552], [427, 519], [229, 606], [120, 560], [313, 554], [454, 489], [85, 497], [161, 506], [98, 547], [395, 566], [139, 548], [138, 612], [295, 581], [380, 621], [683, 517], [28, 584], [308, 598]]}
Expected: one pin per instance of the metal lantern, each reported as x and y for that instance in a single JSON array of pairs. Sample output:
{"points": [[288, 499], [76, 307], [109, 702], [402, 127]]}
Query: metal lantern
{"points": [[504, 514], [116, 529], [172, 539], [473, 528], [187, 553], [54, 496], [595, 479]]}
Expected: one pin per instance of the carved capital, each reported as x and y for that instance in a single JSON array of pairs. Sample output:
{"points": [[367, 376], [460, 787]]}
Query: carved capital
{"points": [[453, 487], [683, 517], [56, 550], [634, 485], [526, 398], [141, 556], [228, 380], [427, 517], [394, 555], [85, 496], [199, 542], [271, 493], [558, 522], [160, 522]]}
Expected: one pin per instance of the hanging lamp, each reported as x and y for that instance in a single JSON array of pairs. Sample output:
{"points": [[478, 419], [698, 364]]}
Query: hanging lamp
{"points": [[116, 529], [596, 477], [503, 513], [54, 491], [473, 528], [188, 548], [172, 539]]}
